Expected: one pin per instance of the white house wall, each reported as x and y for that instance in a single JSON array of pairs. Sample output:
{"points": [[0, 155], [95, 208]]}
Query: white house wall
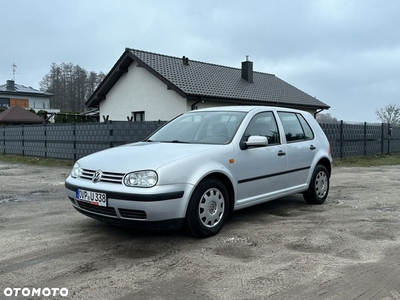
{"points": [[138, 90]]}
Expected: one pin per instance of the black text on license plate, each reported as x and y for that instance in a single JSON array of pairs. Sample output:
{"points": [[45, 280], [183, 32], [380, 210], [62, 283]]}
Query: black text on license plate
{"points": [[94, 198]]}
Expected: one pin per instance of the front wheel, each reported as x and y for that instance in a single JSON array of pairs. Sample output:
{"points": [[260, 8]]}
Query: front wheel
{"points": [[319, 186], [208, 208]]}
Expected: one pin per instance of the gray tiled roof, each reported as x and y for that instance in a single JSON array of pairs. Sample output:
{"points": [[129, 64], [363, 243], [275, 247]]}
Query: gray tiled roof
{"points": [[18, 88], [200, 79], [211, 80]]}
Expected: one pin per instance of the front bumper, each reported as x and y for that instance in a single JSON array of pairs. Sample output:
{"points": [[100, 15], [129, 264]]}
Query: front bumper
{"points": [[138, 207]]}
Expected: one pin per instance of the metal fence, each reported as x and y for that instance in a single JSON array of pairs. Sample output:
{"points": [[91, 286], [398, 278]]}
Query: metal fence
{"points": [[71, 140], [349, 140], [75, 140]]}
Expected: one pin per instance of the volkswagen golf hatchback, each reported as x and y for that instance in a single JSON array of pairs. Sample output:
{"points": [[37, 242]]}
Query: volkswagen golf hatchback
{"points": [[204, 164]]}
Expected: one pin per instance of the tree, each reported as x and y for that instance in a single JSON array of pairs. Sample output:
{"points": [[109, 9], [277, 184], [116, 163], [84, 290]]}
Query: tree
{"points": [[71, 85], [389, 114], [326, 118]]}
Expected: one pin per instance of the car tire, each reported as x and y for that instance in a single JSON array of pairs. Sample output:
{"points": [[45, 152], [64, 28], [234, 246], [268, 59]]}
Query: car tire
{"points": [[319, 186], [208, 208]]}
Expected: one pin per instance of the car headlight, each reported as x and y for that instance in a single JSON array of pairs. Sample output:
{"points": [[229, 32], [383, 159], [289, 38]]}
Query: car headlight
{"points": [[76, 171], [141, 179]]}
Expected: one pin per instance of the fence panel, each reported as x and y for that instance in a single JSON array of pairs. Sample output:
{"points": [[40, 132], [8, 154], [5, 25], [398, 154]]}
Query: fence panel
{"points": [[373, 144], [60, 140], [91, 138], [14, 140], [34, 140]]}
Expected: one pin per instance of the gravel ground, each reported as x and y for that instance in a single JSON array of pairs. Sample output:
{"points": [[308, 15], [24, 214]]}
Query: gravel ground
{"points": [[347, 248]]}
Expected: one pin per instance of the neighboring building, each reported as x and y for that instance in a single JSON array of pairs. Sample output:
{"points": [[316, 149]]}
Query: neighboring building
{"points": [[12, 94], [17, 115], [149, 86]]}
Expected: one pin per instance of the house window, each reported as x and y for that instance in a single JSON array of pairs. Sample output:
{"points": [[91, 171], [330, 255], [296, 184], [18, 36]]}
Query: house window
{"points": [[4, 102], [138, 115]]}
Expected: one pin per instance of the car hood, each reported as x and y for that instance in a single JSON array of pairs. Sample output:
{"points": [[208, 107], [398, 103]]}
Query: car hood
{"points": [[141, 156]]}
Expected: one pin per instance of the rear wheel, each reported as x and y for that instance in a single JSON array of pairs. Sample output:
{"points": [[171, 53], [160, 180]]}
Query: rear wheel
{"points": [[208, 208], [319, 186]]}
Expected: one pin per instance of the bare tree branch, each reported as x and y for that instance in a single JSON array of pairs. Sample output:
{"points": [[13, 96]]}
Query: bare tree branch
{"points": [[389, 114]]}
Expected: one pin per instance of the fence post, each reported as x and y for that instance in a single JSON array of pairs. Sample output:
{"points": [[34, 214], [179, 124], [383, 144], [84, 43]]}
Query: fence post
{"points": [[341, 139], [382, 138], [45, 140], [388, 152], [111, 134], [74, 137], [4, 140], [23, 140], [365, 138]]}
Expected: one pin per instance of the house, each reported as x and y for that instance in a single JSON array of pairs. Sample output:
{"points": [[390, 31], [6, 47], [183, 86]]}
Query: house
{"points": [[12, 94], [150, 86], [17, 115]]}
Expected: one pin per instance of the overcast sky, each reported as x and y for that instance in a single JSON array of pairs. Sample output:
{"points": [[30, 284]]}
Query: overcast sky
{"points": [[346, 53]]}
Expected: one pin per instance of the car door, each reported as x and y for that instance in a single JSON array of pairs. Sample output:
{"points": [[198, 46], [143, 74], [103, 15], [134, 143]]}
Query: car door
{"points": [[300, 147], [261, 169]]}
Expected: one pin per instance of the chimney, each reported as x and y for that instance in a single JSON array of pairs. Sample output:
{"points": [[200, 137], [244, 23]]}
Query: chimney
{"points": [[10, 85], [247, 70]]}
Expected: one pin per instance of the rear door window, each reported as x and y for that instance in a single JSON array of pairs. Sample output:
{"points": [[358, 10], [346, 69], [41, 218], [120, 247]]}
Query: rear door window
{"points": [[296, 127]]}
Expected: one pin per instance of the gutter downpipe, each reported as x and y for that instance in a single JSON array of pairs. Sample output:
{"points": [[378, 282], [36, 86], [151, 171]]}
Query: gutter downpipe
{"points": [[194, 104], [318, 111]]}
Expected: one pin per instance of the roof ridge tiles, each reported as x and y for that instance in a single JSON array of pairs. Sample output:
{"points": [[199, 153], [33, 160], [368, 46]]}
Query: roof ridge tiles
{"points": [[193, 60]]}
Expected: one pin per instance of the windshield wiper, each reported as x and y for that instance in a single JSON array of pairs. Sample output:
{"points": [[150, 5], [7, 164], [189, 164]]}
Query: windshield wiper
{"points": [[173, 141], [178, 141]]}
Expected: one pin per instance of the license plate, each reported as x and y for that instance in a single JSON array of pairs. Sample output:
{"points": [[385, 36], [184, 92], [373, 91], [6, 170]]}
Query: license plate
{"points": [[94, 198]]}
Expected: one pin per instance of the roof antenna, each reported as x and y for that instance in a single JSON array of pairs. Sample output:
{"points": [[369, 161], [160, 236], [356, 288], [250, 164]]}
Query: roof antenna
{"points": [[14, 70]]}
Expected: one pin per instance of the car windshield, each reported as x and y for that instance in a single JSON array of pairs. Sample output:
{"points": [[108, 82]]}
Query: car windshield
{"points": [[208, 127]]}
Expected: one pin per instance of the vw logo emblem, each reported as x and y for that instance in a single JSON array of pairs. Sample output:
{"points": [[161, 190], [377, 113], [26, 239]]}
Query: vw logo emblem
{"points": [[97, 176]]}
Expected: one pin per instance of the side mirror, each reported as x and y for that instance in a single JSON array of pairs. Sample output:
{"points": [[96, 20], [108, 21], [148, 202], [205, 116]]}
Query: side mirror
{"points": [[257, 141]]}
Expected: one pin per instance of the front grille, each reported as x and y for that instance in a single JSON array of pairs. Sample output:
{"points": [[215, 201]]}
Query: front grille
{"points": [[105, 177], [132, 214], [108, 211]]}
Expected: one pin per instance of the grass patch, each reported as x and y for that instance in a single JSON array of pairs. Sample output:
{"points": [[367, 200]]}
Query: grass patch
{"points": [[369, 161], [40, 161]]}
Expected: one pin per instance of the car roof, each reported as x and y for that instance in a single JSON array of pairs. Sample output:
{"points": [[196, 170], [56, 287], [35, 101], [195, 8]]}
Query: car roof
{"points": [[244, 108]]}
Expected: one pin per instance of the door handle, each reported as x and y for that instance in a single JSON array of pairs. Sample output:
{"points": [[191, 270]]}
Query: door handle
{"points": [[281, 153], [312, 147]]}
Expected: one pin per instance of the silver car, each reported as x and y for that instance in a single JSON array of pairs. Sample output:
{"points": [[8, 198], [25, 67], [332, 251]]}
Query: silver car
{"points": [[201, 166]]}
